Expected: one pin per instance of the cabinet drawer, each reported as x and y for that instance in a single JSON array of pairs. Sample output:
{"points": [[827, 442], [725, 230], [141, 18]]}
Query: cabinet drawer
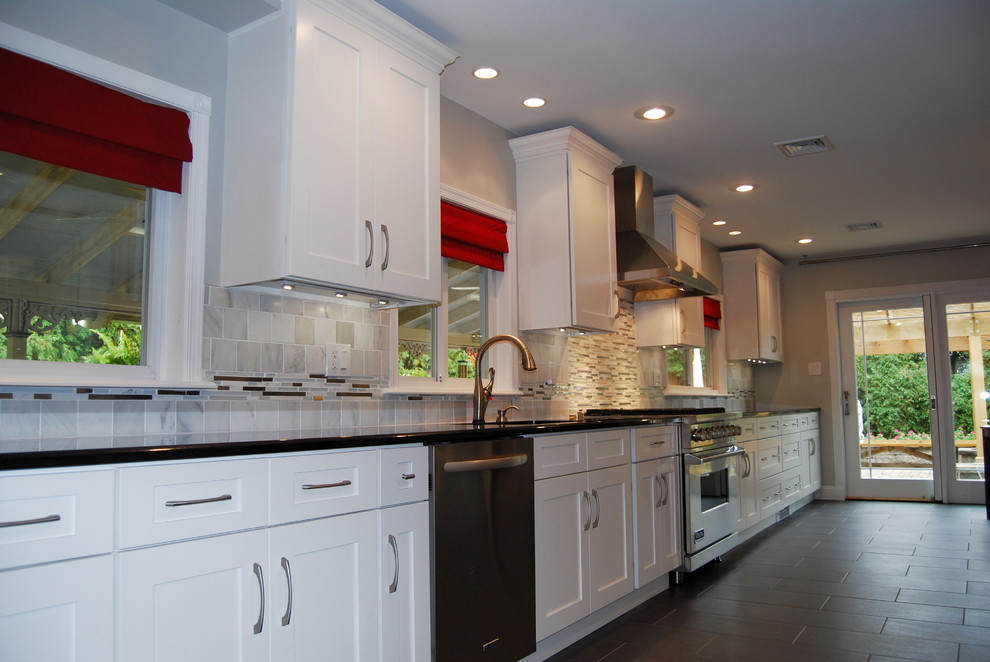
{"points": [[559, 454], [53, 516], [790, 484], [748, 427], [771, 495], [403, 475], [767, 426], [790, 451], [323, 484], [650, 443], [811, 420], [790, 423], [159, 503], [608, 448], [768, 458]]}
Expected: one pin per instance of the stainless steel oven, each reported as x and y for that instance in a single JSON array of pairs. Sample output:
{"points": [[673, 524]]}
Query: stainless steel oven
{"points": [[711, 487]]}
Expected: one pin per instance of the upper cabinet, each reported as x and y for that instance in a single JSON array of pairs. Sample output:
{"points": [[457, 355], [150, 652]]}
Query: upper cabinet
{"points": [[332, 151], [676, 322], [565, 232], [752, 305]]}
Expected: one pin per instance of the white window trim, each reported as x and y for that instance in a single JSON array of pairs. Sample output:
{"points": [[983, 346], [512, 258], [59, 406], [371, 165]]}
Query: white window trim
{"points": [[503, 316], [174, 328], [718, 363]]}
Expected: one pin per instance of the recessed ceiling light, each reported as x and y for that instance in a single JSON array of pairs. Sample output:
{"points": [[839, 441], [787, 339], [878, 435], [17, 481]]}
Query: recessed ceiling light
{"points": [[534, 102], [485, 73], [719, 222], [806, 240], [745, 188], [735, 232], [654, 112]]}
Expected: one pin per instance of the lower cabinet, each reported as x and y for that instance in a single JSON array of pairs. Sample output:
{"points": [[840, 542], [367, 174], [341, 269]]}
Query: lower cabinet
{"points": [[657, 504], [749, 493], [811, 458], [404, 583], [195, 601], [60, 611], [584, 555]]}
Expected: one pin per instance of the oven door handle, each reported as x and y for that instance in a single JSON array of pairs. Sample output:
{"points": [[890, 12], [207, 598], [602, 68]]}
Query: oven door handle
{"points": [[733, 451]]}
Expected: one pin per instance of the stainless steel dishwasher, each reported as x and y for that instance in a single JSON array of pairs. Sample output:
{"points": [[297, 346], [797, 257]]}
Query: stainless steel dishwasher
{"points": [[484, 590]]}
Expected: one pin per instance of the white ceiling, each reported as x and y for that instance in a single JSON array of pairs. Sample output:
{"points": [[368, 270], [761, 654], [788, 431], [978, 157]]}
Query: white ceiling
{"points": [[900, 87]]}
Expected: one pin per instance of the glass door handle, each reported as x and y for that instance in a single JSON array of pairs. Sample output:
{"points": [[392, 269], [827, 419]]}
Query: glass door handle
{"points": [[845, 403]]}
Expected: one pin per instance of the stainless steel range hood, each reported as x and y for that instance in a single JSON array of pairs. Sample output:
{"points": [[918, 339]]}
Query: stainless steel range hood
{"points": [[647, 267]]}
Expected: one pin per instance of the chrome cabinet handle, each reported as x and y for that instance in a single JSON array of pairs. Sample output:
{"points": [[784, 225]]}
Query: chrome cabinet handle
{"points": [[27, 522], [323, 486], [287, 616], [598, 508], [388, 245], [408, 476], [260, 625], [196, 502], [394, 586], [658, 443], [749, 465], [659, 502], [814, 447], [666, 490], [587, 525], [371, 243], [773, 344]]}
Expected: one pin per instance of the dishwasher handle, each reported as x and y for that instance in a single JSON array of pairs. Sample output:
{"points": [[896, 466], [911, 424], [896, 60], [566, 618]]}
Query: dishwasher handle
{"points": [[486, 464]]}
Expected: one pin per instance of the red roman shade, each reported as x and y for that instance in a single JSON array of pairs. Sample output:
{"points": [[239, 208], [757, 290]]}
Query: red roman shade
{"points": [[472, 237], [52, 115], [712, 312]]}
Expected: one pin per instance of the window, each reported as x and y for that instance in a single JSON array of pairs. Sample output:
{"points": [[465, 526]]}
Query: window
{"points": [[478, 302], [72, 258], [458, 324], [160, 239], [697, 370]]}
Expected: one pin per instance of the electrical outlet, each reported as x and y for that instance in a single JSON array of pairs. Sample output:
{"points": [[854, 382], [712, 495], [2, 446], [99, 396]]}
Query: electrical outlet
{"points": [[338, 359]]}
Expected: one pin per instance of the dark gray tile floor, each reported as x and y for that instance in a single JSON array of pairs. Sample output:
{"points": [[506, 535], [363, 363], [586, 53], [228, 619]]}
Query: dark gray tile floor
{"points": [[852, 581]]}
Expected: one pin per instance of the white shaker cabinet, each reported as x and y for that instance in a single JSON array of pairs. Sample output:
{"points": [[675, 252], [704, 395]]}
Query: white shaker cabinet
{"points": [[752, 305], [657, 529], [565, 232], [195, 601], [332, 158], [583, 521], [404, 583]]}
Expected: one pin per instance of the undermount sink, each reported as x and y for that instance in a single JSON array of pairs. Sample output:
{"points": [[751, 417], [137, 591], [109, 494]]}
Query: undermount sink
{"points": [[545, 421]]}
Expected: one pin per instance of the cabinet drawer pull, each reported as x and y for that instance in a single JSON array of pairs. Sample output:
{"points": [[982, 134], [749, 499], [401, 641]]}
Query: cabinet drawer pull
{"points": [[408, 476], [323, 486], [388, 245], [287, 569], [259, 626], [26, 522], [371, 244], [196, 502], [658, 443], [393, 543]]}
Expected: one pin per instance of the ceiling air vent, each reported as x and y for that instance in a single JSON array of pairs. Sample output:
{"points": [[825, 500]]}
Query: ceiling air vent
{"points": [[869, 225], [802, 146]]}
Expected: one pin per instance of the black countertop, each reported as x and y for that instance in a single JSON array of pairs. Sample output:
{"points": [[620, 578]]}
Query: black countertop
{"points": [[158, 447]]}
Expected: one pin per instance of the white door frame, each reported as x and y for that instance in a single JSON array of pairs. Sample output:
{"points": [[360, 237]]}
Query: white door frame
{"points": [[939, 292]]}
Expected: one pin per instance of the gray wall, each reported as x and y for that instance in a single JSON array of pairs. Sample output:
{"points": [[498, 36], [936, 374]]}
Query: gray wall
{"points": [[475, 157], [805, 332]]}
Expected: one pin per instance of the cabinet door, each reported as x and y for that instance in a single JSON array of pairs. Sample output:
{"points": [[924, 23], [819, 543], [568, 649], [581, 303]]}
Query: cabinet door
{"points": [[562, 518], [407, 166], [647, 498], [404, 583], [811, 467], [748, 492], [610, 536], [61, 611], [593, 270], [657, 531], [332, 193], [671, 533], [196, 601], [324, 587], [768, 312]]}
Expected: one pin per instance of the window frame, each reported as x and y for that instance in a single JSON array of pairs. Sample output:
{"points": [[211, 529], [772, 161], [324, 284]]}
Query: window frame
{"points": [[502, 316], [716, 361], [173, 328]]}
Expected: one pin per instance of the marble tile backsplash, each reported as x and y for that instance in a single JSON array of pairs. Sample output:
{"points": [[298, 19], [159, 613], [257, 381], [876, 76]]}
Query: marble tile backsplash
{"points": [[266, 352]]}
